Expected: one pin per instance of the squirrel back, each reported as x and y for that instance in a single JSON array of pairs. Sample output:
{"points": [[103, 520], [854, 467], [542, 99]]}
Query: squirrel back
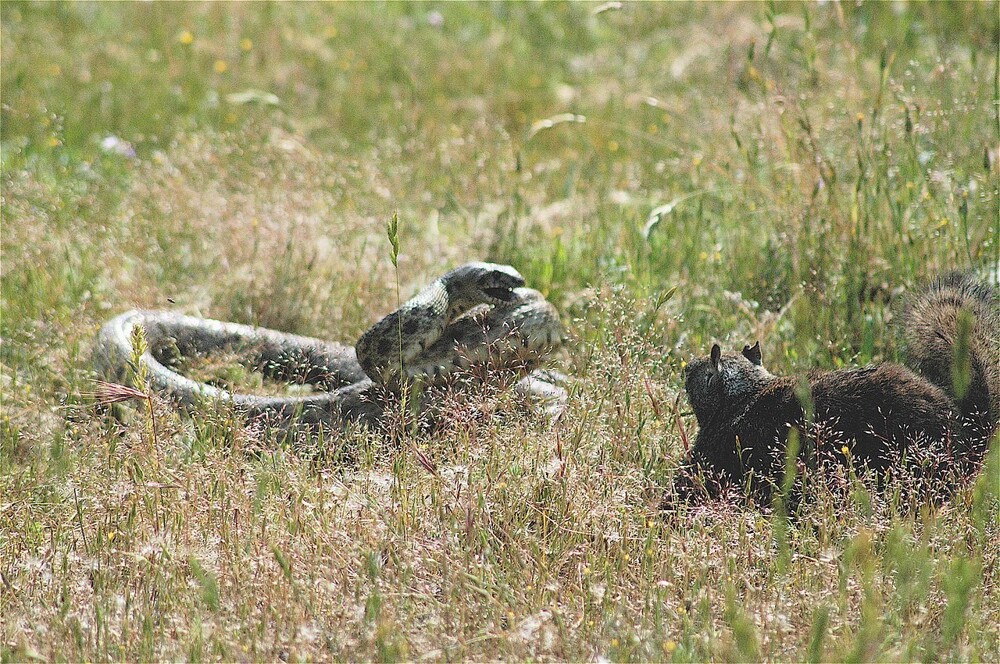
{"points": [[941, 412], [951, 336]]}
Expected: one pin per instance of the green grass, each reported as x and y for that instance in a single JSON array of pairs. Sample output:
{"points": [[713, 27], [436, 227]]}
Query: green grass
{"points": [[819, 160]]}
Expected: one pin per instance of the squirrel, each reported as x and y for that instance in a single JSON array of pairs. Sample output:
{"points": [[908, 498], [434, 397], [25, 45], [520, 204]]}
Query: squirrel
{"points": [[932, 420]]}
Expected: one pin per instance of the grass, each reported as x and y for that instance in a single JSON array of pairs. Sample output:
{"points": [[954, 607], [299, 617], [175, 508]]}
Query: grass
{"points": [[807, 165]]}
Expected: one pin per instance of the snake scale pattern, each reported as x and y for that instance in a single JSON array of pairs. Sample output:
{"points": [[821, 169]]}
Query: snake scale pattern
{"points": [[477, 315]]}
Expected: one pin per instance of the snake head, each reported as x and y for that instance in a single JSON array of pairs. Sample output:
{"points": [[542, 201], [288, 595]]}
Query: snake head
{"points": [[483, 283]]}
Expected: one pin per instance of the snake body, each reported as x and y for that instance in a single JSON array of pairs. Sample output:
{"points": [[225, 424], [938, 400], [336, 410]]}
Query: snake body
{"points": [[476, 314]]}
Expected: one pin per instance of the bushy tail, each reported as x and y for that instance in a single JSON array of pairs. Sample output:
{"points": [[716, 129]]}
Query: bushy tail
{"points": [[951, 335]]}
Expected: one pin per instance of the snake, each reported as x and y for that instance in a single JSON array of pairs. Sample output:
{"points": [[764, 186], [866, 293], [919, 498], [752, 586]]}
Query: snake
{"points": [[475, 321]]}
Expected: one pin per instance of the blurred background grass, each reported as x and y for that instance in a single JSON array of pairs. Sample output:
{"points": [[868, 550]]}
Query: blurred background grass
{"points": [[792, 169], [840, 151]]}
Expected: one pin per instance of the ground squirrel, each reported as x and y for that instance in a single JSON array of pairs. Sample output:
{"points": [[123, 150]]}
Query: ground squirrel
{"points": [[933, 420]]}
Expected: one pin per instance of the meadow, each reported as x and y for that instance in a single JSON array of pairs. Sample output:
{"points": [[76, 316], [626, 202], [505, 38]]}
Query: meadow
{"points": [[669, 175]]}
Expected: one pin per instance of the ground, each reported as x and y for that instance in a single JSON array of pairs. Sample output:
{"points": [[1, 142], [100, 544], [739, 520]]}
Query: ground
{"points": [[669, 175]]}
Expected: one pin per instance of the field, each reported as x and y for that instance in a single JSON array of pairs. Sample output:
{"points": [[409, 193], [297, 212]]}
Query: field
{"points": [[669, 175]]}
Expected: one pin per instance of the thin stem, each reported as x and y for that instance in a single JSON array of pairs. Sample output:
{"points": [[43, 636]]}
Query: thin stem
{"points": [[996, 116], [155, 439]]}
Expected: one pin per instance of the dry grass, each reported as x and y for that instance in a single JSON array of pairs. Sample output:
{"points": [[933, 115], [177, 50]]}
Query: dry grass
{"points": [[815, 175]]}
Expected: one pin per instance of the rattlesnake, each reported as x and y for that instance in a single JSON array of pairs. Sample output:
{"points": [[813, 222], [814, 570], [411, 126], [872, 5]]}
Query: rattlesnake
{"points": [[479, 314]]}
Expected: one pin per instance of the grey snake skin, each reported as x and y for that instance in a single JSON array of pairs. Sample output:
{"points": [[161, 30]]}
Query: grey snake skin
{"points": [[477, 315]]}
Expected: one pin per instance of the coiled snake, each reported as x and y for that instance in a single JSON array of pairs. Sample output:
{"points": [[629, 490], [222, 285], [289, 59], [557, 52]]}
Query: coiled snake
{"points": [[479, 314]]}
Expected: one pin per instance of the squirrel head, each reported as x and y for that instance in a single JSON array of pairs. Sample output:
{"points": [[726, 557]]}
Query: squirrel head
{"points": [[721, 385]]}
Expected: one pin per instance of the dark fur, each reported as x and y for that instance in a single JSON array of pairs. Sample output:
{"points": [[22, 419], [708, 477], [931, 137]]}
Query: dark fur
{"points": [[882, 419]]}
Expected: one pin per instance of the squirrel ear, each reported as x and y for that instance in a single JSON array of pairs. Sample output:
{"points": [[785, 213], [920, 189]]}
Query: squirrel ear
{"points": [[716, 356], [753, 353]]}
